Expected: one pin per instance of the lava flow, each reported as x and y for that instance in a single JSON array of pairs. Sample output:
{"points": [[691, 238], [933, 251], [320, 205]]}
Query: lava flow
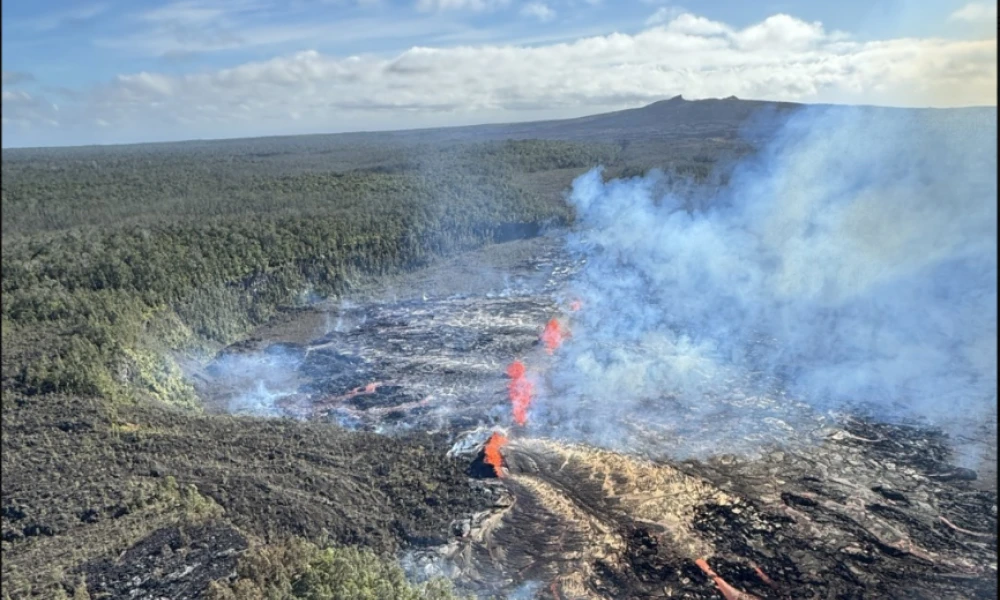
{"points": [[520, 390], [728, 591], [492, 452], [553, 335], [370, 388]]}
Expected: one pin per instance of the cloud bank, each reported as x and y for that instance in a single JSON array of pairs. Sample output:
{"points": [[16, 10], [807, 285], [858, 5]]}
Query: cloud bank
{"points": [[779, 58], [975, 12]]}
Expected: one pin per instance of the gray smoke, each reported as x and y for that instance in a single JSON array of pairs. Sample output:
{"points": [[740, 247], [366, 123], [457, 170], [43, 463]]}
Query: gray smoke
{"points": [[848, 265]]}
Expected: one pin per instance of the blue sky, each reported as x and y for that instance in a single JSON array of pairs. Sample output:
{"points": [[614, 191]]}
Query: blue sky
{"points": [[111, 71]]}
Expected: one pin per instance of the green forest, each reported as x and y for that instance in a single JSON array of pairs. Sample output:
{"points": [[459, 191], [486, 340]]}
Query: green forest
{"points": [[111, 264]]}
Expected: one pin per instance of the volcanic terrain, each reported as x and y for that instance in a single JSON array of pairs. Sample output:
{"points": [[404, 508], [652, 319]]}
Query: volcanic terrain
{"points": [[861, 509]]}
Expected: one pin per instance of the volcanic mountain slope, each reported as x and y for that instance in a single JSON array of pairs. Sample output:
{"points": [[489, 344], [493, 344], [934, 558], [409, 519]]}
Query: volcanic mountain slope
{"points": [[874, 513]]}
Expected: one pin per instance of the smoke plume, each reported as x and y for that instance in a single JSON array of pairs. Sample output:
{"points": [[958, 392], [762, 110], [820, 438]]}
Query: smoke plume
{"points": [[850, 264], [256, 381]]}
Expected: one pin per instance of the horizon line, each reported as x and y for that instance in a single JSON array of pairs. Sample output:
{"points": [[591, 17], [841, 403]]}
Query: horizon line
{"points": [[485, 124]]}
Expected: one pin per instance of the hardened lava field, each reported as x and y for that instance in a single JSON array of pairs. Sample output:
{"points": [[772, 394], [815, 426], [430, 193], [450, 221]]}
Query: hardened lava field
{"points": [[866, 510]]}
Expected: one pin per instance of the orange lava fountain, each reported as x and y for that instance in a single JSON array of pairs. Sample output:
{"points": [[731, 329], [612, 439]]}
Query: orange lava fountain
{"points": [[492, 451], [519, 389], [553, 335]]}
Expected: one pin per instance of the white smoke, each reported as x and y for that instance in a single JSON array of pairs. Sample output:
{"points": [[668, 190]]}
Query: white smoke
{"points": [[257, 380], [851, 262]]}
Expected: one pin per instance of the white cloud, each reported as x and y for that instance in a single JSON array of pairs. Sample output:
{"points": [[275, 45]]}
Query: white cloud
{"points": [[975, 12], [27, 111], [473, 5], [692, 25], [172, 42], [16, 77], [777, 31], [778, 58], [145, 83], [52, 20], [780, 31], [538, 10], [186, 27], [15, 96], [664, 14], [185, 13]]}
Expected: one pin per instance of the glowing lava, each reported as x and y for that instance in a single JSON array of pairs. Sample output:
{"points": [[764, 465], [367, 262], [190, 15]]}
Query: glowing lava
{"points": [[370, 388], [553, 335], [492, 452], [515, 370], [519, 389], [728, 591]]}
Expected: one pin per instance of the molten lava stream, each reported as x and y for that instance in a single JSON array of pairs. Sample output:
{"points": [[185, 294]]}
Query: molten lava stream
{"points": [[492, 452], [519, 389], [553, 335], [728, 591], [515, 370]]}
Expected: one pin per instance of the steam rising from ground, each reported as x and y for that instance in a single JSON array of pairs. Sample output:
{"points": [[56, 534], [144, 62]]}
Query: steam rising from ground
{"points": [[256, 381], [852, 262]]}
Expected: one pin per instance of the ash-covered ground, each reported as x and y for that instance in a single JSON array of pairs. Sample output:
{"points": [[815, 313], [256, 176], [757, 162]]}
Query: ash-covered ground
{"points": [[845, 508]]}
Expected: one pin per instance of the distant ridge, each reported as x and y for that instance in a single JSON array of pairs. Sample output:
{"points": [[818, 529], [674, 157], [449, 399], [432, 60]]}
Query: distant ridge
{"points": [[672, 118]]}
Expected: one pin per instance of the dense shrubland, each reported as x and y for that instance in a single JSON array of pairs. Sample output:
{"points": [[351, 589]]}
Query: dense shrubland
{"points": [[297, 569]]}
